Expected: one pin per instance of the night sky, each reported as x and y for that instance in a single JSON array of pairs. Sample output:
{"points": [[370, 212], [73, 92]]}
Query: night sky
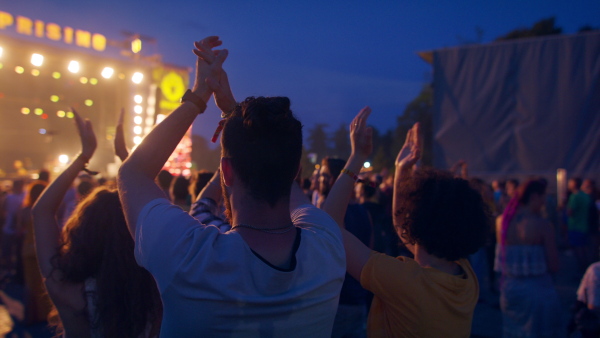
{"points": [[330, 57]]}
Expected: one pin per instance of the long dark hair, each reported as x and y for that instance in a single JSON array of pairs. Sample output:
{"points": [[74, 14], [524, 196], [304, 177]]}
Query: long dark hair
{"points": [[96, 244]]}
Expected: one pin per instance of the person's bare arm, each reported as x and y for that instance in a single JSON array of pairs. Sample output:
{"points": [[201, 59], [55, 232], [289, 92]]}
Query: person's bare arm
{"points": [[136, 175], [46, 230], [406, 160], [119, 144], [357, 254], [212, 189]]}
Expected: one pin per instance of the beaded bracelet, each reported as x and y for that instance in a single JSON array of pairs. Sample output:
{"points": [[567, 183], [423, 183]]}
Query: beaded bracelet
{"points": [[85, 160], [356, 179]]}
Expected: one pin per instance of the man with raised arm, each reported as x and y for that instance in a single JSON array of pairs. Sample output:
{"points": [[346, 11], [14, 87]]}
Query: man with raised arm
{"points": [[279, 270], [441, 220]]}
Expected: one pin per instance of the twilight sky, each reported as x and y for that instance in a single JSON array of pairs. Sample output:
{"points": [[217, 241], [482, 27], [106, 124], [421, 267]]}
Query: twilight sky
{"points": [[330, 57]]}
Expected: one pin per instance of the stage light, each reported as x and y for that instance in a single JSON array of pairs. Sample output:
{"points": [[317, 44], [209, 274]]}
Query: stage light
{"points": [[70, 115], [1, 50], [367, 165], [160, 118], [35, 72], [149, 121], [44, 116], [93, 81], [107, 72], [73, 66], [19, 69], [25, 111], [37, 59], [64, 159], [54, 98], [89, 103], [42, 131], [1, 65], [186, 172], [137, 99], [38, 111], [83, 80], [61, 113], [137, 77], [56, 75], [137, 120], [137, 140], [137, 130], [136, 46], [137, 109]]}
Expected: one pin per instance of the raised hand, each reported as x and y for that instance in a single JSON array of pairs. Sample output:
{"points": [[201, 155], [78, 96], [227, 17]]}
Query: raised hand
{"points": [[119, 144], [86, 135], [361, 136], [223, 95], [208, 65], [410, 153]]}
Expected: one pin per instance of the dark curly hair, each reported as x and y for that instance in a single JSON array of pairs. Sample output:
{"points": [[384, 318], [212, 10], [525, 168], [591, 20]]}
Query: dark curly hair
{"points": [[96, 244], [442, 213], [263, 138]]}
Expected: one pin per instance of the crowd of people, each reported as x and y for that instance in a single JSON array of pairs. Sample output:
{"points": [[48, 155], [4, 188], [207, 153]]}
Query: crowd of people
{"points": [[252, 249]]}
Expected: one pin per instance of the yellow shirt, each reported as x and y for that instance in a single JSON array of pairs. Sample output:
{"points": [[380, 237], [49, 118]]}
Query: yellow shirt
{"points": [[412, 301]]}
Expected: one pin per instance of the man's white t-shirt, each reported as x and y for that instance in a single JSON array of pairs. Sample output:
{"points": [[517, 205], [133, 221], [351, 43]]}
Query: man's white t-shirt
{"points": [[213, 284]]}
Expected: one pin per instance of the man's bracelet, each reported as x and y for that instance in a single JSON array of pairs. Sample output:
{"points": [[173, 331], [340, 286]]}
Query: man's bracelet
{"points": [[86, 160], [356, 179]]}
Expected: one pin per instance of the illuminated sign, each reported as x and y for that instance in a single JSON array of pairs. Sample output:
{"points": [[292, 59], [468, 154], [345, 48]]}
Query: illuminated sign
{"points": [[52, 31], [172, 84]]}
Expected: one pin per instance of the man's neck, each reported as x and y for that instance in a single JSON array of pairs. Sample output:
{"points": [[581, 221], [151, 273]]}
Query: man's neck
{"points": [[247, 210]]}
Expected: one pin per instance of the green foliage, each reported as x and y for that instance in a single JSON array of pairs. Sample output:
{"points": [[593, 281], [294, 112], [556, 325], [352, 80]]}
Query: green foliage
{"points": [[540, 28]]}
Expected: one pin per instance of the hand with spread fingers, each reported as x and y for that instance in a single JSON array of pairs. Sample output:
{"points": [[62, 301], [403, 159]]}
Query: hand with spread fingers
{"points": [[208, 66], [410, 153], [119, 144], [86, 135], [361, 136]]}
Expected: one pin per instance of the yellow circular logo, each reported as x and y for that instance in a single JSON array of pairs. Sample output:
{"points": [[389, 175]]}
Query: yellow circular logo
{"points": [[172, 86]]}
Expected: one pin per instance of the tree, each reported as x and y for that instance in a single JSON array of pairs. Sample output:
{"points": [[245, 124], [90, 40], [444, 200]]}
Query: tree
{"points": [[203, 157], [317, 141], [540, 28], [341, 142]]}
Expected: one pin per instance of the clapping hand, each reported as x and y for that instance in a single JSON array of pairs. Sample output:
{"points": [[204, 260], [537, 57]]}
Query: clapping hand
{"points": [[208, 66], [86, 134], [361, 136], [410, 153], [120, 147]]}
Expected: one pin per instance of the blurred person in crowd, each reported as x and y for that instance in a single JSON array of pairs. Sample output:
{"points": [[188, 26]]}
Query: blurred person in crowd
{"points": [[44, 175], [11, 234], [526, 255], [512, 185], [89, 268], [164, 179], [37, 303], [200, 180], [588, 186], [259, 278], [179, 192], [442, 220], [578, 212], [351, 313], [587, 309]]}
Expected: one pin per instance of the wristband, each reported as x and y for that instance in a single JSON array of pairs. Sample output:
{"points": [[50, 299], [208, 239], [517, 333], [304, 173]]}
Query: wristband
{"points": [[356, 179], [195, 99], [86, 160]]}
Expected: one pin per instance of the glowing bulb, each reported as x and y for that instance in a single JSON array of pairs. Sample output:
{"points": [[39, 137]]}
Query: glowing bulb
{"points": [[137, 120], [64, 159], [38, 111], [137, 130], [137, 140], [42, 131], [54, 98], [37, 60], [137, 99], [137, 77], [83, 80], [73, 66], [137, 109], [1, 50], [93, 81], [70, 115], [61, 113], [107, 72], [56, 75], [35, 72], [89, 103], [25, 111], [367, 165], [19, 69]]}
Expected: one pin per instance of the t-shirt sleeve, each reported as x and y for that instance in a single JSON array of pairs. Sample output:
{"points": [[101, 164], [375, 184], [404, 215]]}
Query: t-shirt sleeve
{"points": [[383, 274], [309, 216], [589, 289], [165, 237]]}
